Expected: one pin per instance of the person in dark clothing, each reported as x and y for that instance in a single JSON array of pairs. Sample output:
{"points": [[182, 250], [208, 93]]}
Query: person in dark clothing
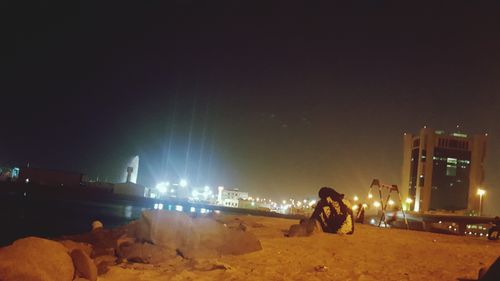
{"points": [[494, 230], [333, 212]]}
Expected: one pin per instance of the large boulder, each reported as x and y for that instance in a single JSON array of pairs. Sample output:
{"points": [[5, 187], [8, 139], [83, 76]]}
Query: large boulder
{"points": [[191, 238], [211, 237], [35, 259], [173, 230], [145, 253], [217, 239], [239, 243]]}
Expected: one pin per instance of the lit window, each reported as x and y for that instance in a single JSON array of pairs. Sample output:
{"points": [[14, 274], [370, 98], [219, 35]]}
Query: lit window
{"points": [[451, 167]]}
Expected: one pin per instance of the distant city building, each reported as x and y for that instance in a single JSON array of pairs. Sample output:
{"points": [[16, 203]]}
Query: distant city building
{"points": [[50, 177], [442, 172], [131, 170], [130, 188], [231, 198], [9, 174]]}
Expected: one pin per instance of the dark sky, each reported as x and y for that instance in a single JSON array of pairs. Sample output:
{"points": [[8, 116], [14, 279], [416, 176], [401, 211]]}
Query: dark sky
{"points": [[274, 97]]}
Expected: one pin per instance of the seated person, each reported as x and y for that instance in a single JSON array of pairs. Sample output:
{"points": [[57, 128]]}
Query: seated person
{"points": [[333, 212], [494, 230]]}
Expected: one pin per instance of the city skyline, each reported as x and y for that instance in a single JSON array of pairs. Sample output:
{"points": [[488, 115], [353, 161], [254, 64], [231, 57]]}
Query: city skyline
{"points": [[274, 105]]}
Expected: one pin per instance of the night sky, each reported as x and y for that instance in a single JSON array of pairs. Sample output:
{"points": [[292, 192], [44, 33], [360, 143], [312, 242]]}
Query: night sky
{"points": [[277, 98]]}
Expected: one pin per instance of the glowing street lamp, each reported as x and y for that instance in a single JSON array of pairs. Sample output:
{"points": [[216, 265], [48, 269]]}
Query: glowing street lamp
{"points": [[370, 195], [481, 192], [183, 183], [376, 204], [162, 187], [407, 206], [355, 198], [391, 202]]}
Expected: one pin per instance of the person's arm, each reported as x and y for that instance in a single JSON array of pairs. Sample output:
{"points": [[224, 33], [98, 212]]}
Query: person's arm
{"points": [[317, 210]]}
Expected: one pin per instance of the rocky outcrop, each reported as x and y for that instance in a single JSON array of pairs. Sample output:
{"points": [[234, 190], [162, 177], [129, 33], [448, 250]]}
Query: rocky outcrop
{"points": [[174, 230], [35, 259], [103, 263], [157, 237], [72, 245], [84, 265], [145, 253], [194, 238]]}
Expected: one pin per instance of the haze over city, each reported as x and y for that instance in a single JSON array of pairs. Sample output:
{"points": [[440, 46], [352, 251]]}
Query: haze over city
{"points": [[277, 99]]}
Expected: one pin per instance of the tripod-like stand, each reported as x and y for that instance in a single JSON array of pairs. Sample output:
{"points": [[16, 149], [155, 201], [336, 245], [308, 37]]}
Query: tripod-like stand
{"points": [[389, 188]]}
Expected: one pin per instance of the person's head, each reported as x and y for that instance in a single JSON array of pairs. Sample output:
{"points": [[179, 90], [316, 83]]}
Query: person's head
{"points": [[325, 192]]}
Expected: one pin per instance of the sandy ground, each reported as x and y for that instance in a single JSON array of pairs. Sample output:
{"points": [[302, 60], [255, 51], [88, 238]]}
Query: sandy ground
{"points": [[369, 254]]}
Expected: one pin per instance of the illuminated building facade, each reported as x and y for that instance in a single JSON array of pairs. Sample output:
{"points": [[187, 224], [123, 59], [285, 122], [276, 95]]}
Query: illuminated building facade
{"points": [[231, 198], [442, 172]]}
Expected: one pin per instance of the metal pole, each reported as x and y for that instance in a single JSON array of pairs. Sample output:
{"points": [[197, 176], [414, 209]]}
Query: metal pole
{"points": [[403, 211], [480, 204]]}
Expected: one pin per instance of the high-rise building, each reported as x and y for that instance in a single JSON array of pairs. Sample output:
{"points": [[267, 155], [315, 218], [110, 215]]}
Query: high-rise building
{"points": [[442, 171]]}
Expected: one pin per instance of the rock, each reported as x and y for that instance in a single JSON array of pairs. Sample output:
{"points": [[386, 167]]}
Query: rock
{"points": [[207, 265], [174, 230], [215, 240], [103, 241], [103, 263], [192, 238], [35, 259], [125, 240], [257, 225], [72, 245], [240, 242], [321, 268], [211, 235], [236, 224], [296, 230], [307, 227], [145, 253], [84, 265]]}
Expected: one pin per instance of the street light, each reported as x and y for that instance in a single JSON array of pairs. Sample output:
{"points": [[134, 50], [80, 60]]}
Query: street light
{"points": [[355, 198], [162, 187], [183, 183], [407, 206], [481, 192]]}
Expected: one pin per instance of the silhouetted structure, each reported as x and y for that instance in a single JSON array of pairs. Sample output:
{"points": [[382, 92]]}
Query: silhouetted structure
{"points": [[50, 177], [442, 172]]}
